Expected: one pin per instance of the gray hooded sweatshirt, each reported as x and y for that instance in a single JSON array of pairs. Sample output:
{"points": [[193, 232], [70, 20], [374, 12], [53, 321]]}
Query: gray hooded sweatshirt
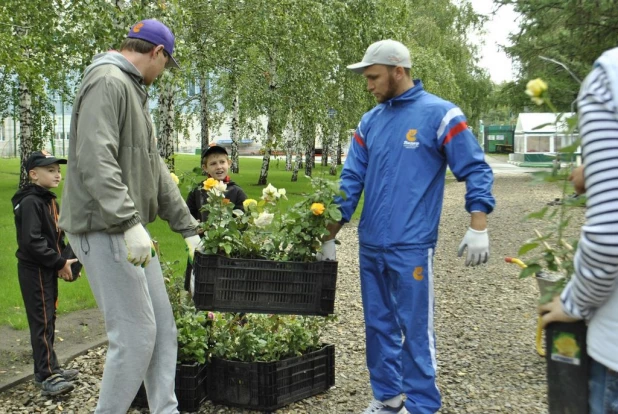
{"points": [[115, 176]]}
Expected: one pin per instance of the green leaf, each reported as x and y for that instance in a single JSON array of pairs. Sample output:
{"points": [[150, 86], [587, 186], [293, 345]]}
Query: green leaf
{"points": [[526, 248], [571, 149], [538, 214], [532, 269], [543, 126]]}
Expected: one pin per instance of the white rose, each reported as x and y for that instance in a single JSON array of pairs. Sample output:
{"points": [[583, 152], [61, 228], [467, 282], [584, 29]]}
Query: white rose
{"points": [[264, 219]]}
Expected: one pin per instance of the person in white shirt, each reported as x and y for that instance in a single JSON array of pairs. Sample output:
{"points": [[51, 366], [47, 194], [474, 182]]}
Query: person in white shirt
{"points": [[592, 292]]}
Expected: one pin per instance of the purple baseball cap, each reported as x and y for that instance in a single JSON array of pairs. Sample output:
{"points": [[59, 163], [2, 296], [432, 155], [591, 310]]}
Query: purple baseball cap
{"points": [[155, 32]]}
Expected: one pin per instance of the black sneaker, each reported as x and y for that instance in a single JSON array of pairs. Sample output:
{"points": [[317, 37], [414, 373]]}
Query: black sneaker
{"points": [[67, 374], [55, 385]]}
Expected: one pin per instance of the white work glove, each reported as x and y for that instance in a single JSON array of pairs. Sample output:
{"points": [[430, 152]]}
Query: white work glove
{"points": [[139, 245], [192, 283], [328, 252], [477, 242], [193, 242]]}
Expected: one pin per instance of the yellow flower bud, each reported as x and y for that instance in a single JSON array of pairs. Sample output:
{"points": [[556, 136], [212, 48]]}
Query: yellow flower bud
{"points": [[249, 202], [535, 88], [317, 209], [210, 183]]}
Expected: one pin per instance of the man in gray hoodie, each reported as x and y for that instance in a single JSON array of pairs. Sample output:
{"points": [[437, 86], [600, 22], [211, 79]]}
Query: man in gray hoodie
{"points": [[117, 183]]}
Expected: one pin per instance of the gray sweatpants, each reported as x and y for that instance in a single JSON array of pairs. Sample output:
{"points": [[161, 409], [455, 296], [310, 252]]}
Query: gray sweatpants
{"points": [[139, 322]]}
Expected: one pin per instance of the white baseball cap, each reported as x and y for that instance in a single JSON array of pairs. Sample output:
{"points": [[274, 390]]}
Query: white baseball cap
{"points": [[385, 52]]}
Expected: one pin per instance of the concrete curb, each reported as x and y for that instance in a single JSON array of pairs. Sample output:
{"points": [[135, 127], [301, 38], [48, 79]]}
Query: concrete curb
{"points": [[63, 358]]}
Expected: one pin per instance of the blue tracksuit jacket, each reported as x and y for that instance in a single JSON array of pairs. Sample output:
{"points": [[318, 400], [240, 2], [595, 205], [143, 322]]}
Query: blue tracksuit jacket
{"points": [[399, 153]]}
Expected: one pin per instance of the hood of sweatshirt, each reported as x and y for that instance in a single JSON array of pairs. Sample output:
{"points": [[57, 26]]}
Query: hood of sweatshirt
{"points": [[31, 189], [114, 58]]}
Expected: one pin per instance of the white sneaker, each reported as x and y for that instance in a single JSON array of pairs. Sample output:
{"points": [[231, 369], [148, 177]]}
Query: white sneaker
{"points": [[378, 407]]}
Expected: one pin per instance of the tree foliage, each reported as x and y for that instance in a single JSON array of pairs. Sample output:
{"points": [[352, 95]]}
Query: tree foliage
{"points": [[283, 61], [572, 32]]}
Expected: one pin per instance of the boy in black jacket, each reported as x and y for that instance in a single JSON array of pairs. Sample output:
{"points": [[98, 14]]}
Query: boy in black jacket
{"points": [[40, 264], [215, 163]]}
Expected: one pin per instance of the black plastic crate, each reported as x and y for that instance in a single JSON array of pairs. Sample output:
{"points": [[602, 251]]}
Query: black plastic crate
{"points": [[267, 386], [191, 388], [264, 286]]}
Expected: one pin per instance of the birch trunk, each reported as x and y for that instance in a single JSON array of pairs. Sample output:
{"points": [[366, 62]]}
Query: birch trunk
{"points": [[309, 158], [204, 115], [332, 153], [25, 130], [270, 129], [166, 121], [289, 148], [325, 154], [299, 160], [270, 138], [343, 136], [234, 132]]}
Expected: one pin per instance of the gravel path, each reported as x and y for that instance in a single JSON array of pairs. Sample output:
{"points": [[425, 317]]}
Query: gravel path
{"points": [[485, 324]]}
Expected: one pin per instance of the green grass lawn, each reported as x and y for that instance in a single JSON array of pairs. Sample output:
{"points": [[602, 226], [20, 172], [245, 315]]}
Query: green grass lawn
{"points": [[77, 295]]}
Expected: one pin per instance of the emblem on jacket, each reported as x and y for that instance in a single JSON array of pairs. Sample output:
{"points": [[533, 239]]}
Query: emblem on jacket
{"points": [[418, 273], [411, 141]]}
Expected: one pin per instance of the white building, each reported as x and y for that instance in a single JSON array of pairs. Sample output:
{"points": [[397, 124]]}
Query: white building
{"points": [[540, 136]]}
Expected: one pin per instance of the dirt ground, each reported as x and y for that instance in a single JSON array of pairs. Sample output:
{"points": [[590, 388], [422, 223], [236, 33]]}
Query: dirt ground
{"points": [[75, 332]]}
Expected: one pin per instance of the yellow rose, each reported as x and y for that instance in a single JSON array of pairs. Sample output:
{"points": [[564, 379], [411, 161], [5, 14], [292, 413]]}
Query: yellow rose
{"points": [[249, 202], [317, 209], [535, 88], [210, 183], [175, 178]]}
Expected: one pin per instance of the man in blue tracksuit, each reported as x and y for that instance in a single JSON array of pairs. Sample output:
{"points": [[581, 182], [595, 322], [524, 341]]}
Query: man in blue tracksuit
{"points": [[398, 157]]}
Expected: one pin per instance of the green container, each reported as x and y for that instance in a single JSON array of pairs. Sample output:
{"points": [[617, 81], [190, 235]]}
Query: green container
{"points": [[499, 138]]}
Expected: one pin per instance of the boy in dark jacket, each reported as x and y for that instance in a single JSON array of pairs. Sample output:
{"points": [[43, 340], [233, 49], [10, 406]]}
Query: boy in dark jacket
{"points": [[215, 163], [40, 264]]}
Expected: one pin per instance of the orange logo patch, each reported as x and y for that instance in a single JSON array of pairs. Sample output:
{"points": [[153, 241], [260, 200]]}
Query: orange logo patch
{"points": [[411, 135], [138, 27], [418, 273], [44, 152]]}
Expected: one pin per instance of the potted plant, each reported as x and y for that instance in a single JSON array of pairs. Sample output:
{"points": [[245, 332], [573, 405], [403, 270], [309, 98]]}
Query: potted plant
{"points": [[550, 259], [264, 259], [264, 362]]}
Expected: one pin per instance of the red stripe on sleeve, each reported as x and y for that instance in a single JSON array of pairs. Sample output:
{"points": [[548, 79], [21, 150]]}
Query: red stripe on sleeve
{"points": [[454, 131], [358, 139]]}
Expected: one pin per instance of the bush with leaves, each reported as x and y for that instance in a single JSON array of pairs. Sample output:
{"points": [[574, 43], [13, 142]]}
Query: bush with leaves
{"points": [[266, 229], [194, 327], [549, 251], [256, 337]]}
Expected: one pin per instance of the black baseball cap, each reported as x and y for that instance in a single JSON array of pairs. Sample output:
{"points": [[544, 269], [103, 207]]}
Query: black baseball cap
{"points": [[42, 159], [214, 149]]}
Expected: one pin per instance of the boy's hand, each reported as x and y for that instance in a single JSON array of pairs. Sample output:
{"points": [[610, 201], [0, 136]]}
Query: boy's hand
{"points": [[578, 180], [65, 273], [553, 312]]}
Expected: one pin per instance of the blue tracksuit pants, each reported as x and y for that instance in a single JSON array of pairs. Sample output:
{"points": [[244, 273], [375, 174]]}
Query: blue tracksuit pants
{"points": [[398, 302]]}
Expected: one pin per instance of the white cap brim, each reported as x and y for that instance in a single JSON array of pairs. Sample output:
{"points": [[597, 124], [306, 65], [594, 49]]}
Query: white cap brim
{"points": [[359, 67]]}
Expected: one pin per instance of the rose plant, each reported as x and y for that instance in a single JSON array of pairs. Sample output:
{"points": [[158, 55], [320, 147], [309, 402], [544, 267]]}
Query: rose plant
{"points": [[550, 250], [265, 338], [267, 229]]}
